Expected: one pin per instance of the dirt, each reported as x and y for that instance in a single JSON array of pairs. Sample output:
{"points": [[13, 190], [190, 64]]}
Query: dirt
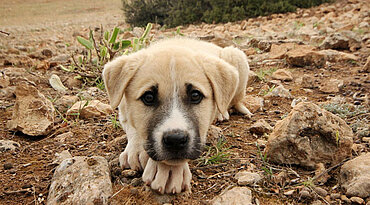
{"points": [[34, 25]]}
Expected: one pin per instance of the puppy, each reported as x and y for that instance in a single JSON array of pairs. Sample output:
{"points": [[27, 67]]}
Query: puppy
{"points": [[167, 96]]}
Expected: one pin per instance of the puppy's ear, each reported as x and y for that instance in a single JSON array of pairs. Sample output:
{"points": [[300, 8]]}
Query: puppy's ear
{"points": [[223, 78], [117, 75]]}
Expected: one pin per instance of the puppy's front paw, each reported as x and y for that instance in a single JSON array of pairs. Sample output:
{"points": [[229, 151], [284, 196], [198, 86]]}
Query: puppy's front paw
{"points": [[240, 107], [223, 117], [170, 179], [134, 157]]}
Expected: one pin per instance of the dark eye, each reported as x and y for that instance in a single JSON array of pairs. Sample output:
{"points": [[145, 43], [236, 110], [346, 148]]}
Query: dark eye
{"points": [[148, 98], [196, 97]]}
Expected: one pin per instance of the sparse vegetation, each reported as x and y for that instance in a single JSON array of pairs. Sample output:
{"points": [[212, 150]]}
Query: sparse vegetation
{"points": [[344, 110], [215, 154], [174, 13]]}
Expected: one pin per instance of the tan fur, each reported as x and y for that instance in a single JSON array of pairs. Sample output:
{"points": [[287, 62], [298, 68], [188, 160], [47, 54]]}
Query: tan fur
{"points": [[220, 74]]}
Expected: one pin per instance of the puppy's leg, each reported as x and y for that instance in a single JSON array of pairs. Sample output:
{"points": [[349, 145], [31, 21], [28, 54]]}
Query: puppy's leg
{"points": [[170, 179], [237, 58], [134, 156]]}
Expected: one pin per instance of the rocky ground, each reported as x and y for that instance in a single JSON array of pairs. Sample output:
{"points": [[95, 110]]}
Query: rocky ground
{"points": [[307, 142]]}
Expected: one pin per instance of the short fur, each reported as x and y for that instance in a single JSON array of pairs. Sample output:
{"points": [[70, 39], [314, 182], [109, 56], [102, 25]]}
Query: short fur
{"points": [[171, 70]]}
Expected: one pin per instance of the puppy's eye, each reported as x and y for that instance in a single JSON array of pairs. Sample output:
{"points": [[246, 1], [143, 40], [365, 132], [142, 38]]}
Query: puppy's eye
{"points": [[148, 98], [196, 97]]}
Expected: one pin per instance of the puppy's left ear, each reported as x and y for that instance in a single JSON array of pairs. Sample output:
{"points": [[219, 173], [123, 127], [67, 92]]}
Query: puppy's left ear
{"points": [[223, 78]]}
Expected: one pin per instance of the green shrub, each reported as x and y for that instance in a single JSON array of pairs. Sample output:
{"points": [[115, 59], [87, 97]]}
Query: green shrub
{"points": [[179, 12]]}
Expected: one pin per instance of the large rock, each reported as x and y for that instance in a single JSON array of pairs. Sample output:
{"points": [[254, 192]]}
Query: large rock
{"points": [[234, 196], [355, 176], [305, 56], [331, 86], [33, 114], [88, 109], [310, 135], [81, 180], [335, 41], [338, 57]]}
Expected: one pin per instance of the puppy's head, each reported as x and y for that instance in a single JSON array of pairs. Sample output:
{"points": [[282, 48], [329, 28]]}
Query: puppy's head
{"points": [[170, 97]]}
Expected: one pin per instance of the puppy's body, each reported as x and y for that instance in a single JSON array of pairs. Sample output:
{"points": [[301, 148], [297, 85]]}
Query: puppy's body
{"points": [[168, 95]]}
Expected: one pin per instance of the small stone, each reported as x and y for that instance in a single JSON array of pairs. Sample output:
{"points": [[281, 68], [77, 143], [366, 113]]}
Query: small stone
{"points": [[252, 77], [59, 157], [247, 178], [8, 166], [366, 67], [47, 52], [305, 193], [345, 199], [317, 202], [289, 193], [357, 200], [234, 196], [129, 173], [334, 196], [62, 137], [73, 83], [88, 109], [305, 56], [320, 191], [253, 103], [320, 173], [331, 86], [279, 91], [65, 102], [260, 127], [366, 139], [4, 80], [8, 146], [282, 74], [136, 182], [214, 132], [307, 81], [335, 41]]}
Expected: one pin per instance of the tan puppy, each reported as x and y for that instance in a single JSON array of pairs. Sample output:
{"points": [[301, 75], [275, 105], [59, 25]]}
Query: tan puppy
{"points": [[168, 95]]}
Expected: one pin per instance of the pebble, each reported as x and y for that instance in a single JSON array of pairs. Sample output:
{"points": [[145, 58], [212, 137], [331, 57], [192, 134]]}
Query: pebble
{"points": [[305, 193], [136, 182], [357, 200], [129, 173], [335, 195], [8, 166], [345, 199]]}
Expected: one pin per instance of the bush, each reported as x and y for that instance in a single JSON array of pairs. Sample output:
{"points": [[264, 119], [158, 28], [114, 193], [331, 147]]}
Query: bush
{"points": [[179, 12]]}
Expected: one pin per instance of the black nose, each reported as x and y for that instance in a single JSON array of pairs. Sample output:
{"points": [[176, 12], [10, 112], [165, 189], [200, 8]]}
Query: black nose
{"points": [[175, 139]]}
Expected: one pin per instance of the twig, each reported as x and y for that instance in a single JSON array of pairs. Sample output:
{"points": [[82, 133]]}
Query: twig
{"points": [[330, 169], [18, 191], [209, 167], [6, 33]]}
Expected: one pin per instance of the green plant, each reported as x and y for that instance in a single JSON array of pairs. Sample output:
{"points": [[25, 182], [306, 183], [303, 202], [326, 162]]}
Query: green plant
{"points": [[344, 110], [298, 25], [115, 122], [261, 73], [267, 169], [215, 154], [99, 51], [265, 92]]}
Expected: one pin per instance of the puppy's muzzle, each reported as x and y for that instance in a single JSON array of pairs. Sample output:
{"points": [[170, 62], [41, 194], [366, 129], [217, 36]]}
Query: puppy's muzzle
{"points": [[175, 140]]}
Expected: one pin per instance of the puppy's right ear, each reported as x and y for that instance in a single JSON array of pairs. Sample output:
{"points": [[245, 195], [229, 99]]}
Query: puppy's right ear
{"points": [[117, 74]]}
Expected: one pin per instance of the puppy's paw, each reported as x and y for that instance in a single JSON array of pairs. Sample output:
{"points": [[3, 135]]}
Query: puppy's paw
{"points": [[170, 179], [240, 107], [134, 157], [223, 117]]}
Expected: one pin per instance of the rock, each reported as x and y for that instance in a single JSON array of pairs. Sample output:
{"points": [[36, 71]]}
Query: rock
{"points": [[310, 135], [321, 175], [335, 41], [366, 67], [7, 92], [62, 137], [252, 77], [8, 166], [345, 199], [307, 81], [305, 193], [338, 57], [59, 157], [282, 74], [279, 91], [260, 127], [289, 193], [234, 196], [279, 51], [81, 180], [253, 103], [8, 146], [88, 109], [42, 65], [355, 176], [214, 132], [129, 173], [295, 101], [357, 200], [247, 178], [320, 191], [263, 45], [91, 93], [57, 84], [331, 86], [33, 113], [334, 196], [4, 80], [59, 59], [65, 102], [305, 56], [47, 52], [73, 83]]}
